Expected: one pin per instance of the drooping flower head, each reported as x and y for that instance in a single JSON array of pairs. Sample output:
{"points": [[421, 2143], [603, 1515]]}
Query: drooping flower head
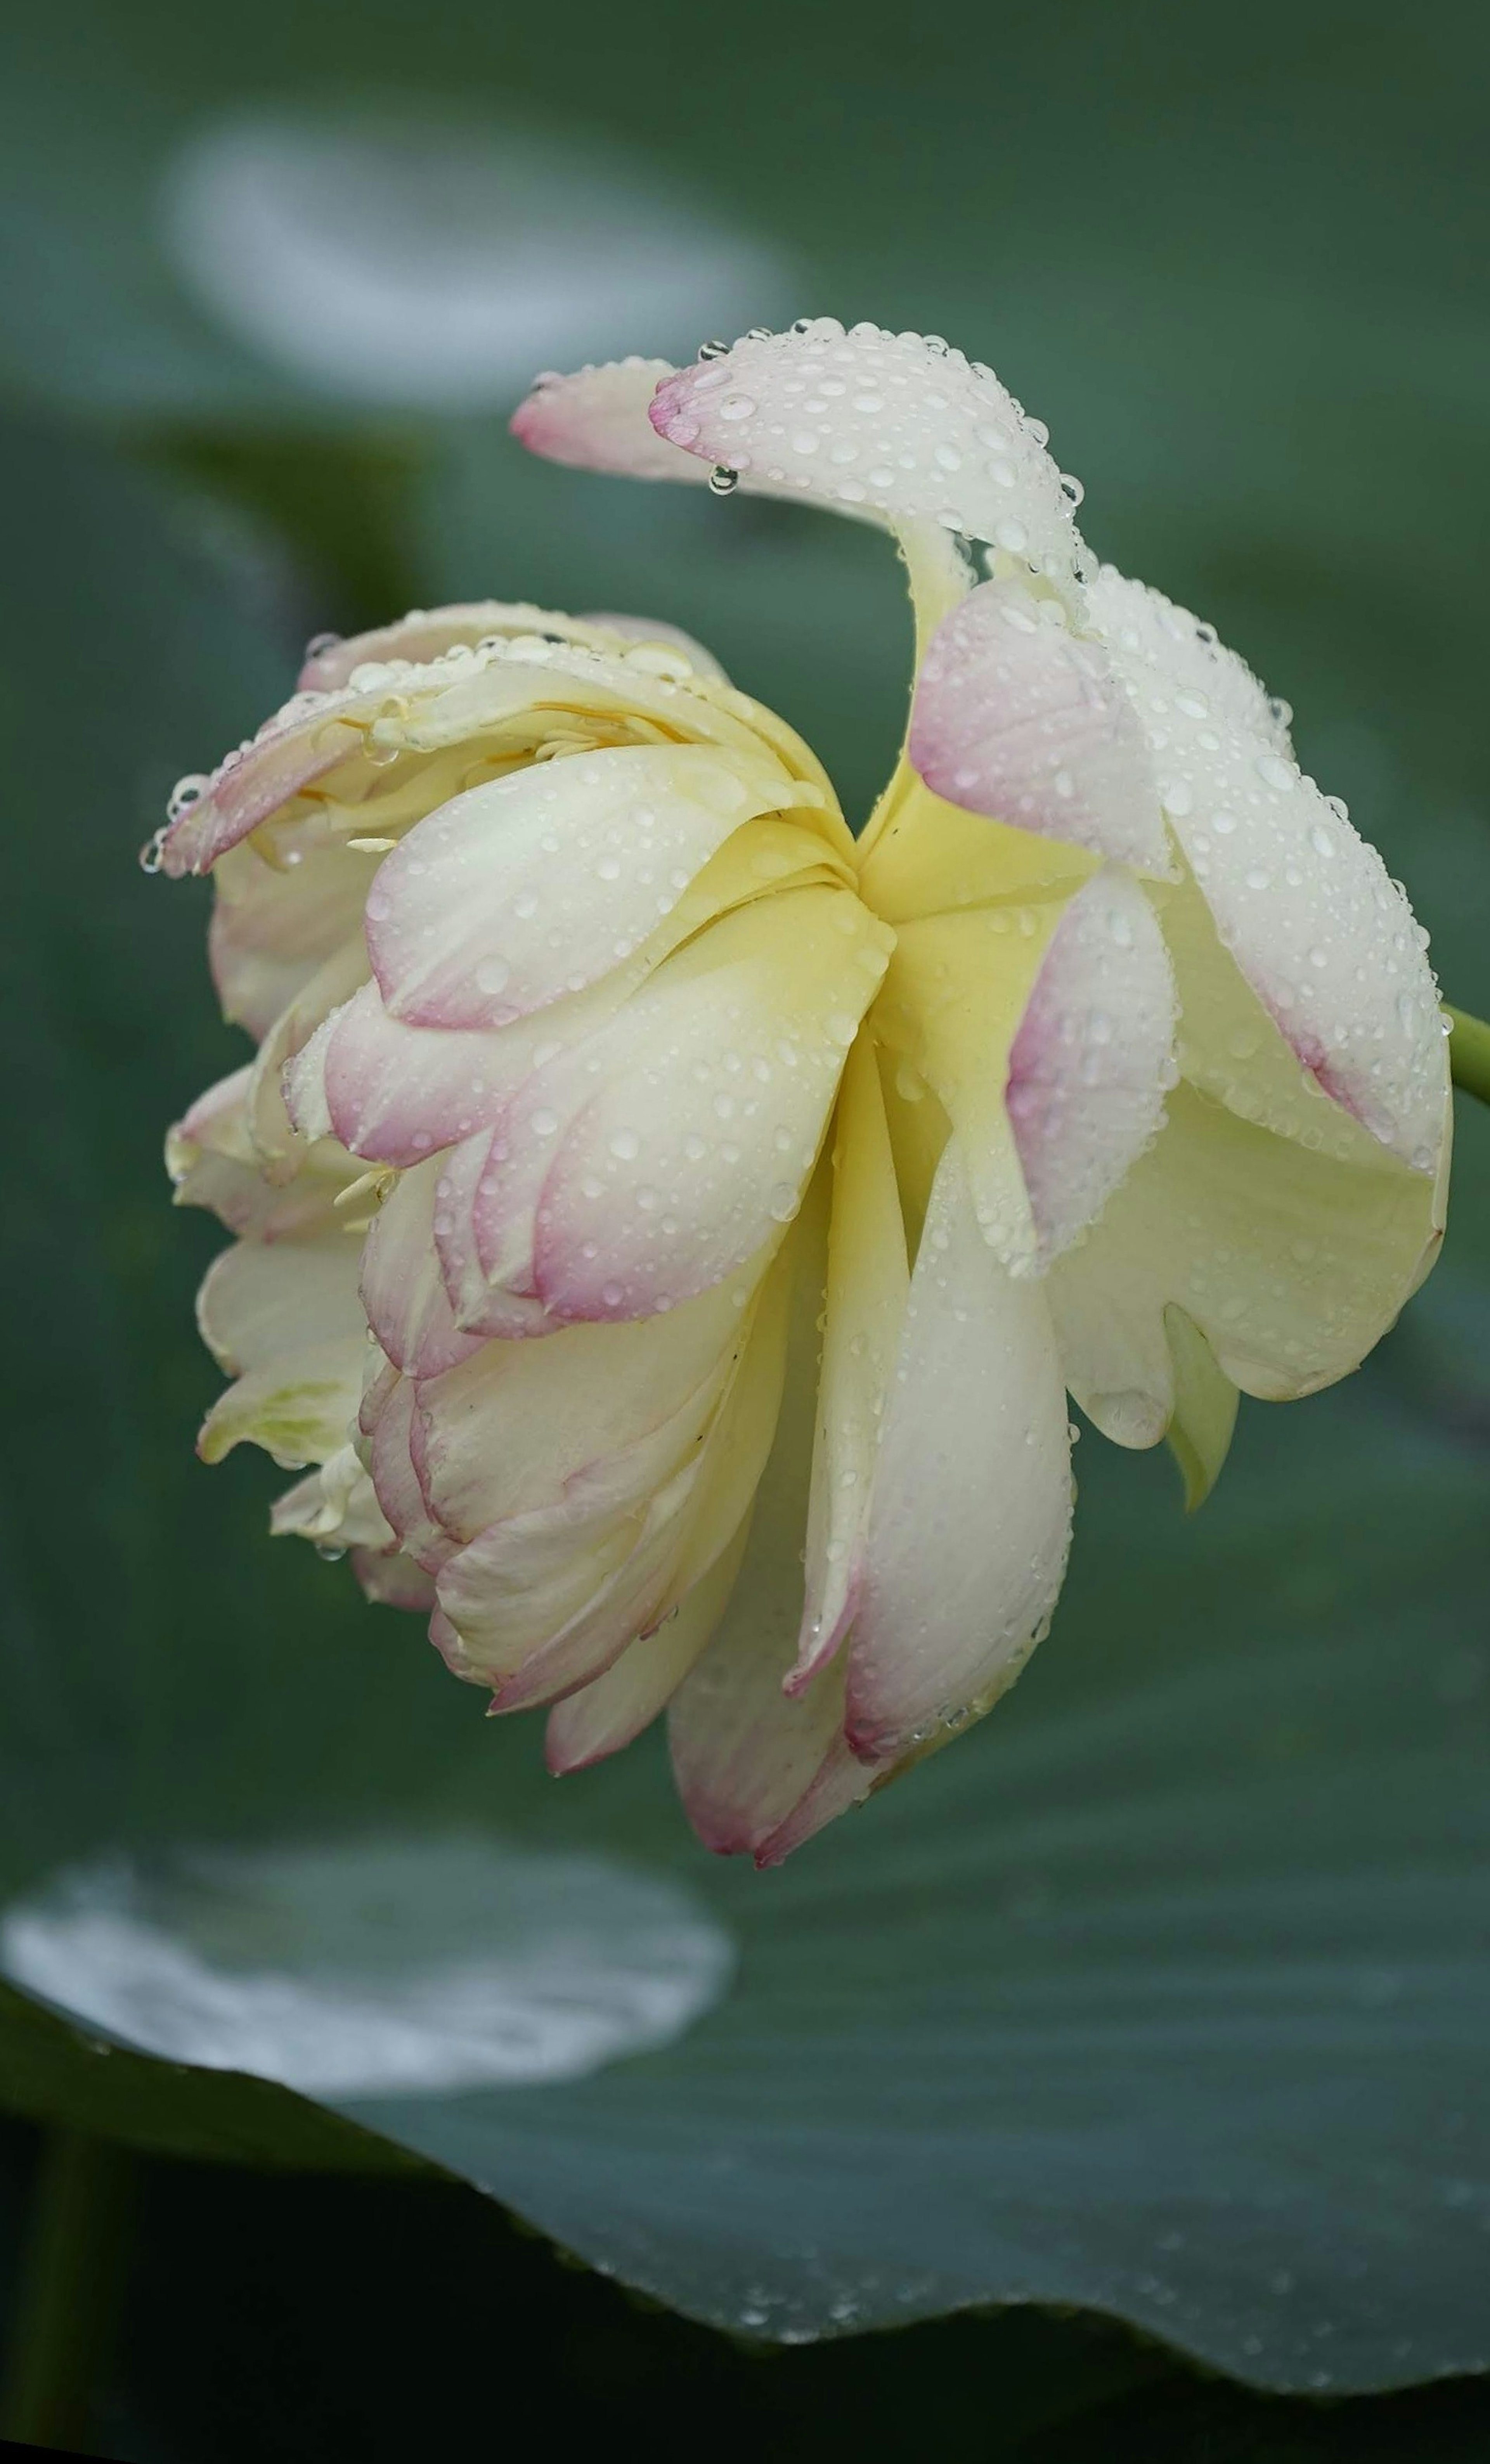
{"points": [[670, 1227]]}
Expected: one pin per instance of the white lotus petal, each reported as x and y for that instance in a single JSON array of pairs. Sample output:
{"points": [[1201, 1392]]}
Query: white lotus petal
{"points": [[971, 1516]]}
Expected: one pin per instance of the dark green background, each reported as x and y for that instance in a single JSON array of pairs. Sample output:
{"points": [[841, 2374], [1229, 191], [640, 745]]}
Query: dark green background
{"points": [[1237, 260]]}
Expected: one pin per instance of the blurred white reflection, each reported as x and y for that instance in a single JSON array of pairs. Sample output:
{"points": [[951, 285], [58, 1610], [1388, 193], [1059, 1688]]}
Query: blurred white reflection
{"points": [[376, 1967], [437, 263]]}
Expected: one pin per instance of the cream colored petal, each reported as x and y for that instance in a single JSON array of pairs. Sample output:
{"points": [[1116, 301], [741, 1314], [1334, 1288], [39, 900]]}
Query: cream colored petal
{"points": [[1290, 1263], [335, 1505], [272, 930], [384, 1443], [1304, 906], [535, 886], [369, 761], [543, 1600], [277, 1142], [395, 1093], [403, 1286], [1232, 1050], [601, 1717], [652, 631], [970, 1518], [212, 1163], [428, 633], [391, 1579], [1205, 1407], [867, 1283], [1140, 622], [298, 1407], [930, 857], [518, 1424], [597, 420], [653, 1161], [261, 1300], [958, 987], [747, 1755]]}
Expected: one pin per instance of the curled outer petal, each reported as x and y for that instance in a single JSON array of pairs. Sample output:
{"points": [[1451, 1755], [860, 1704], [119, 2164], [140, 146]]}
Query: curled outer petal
{"points": [[597, 420], [427, 633], [1304, 906], [377, 753], [894, 427]]}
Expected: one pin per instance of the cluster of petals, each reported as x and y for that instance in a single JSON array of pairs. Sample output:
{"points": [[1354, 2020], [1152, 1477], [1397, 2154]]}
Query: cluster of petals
{"points": [[669, 1227]]}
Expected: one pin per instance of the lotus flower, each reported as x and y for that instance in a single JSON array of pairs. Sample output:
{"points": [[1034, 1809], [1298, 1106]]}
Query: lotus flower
{"points": [[669, 1226]]}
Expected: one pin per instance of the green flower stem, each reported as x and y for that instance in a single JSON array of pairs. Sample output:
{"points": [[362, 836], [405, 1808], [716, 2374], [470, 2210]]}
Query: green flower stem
{"points": [[1469, 1053], [72, 2285]]}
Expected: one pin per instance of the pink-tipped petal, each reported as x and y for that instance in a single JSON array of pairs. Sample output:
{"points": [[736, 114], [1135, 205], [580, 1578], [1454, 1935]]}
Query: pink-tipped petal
{"points": [[1093, 1058], [402, 1290], [597, 1548], [971, 1516], [484, 1303], [386, 1422], [674, 1162], [746, 1756], [295, 748], [215, 1124], [1017, 719], [544, 1600], [534, 886], [601, 1717], [597, 420], [394, 1093], [893, 426], [212, 1163], [519, 1425], [1325, 939], [841, 1782]]}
